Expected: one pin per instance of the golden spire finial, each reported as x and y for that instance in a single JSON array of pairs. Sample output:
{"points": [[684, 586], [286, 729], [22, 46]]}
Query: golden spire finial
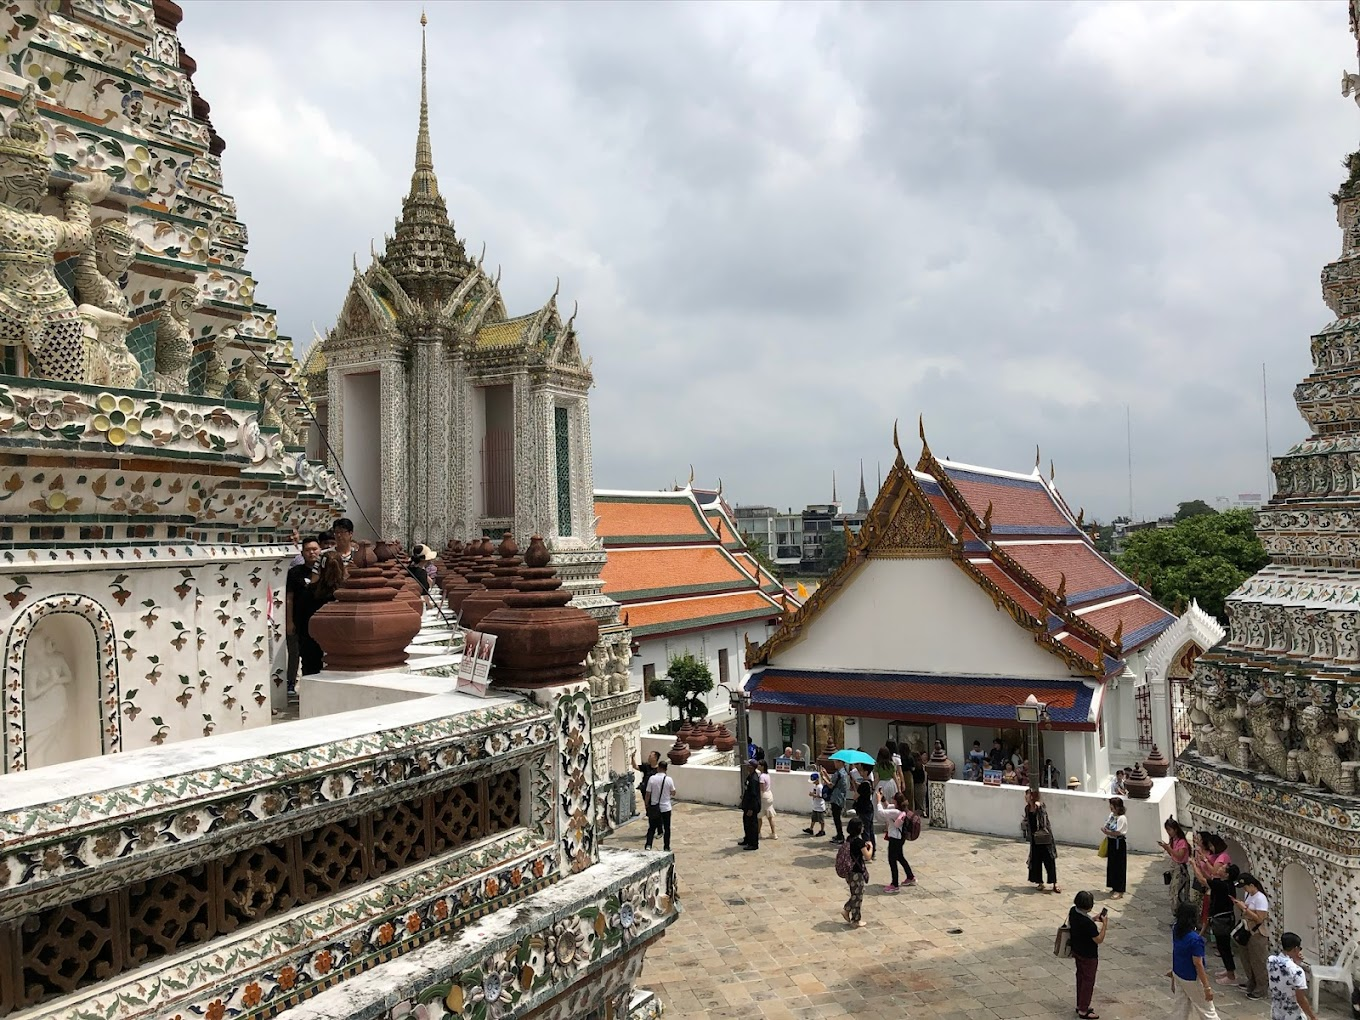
{"points": [[423, 20], [424, 154]]}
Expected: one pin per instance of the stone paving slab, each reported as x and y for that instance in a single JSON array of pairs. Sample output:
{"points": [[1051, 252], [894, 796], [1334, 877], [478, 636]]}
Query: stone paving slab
{"points": [[761, 934]]}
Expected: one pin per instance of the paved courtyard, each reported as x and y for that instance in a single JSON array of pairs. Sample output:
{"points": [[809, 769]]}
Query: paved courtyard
{"points": [[761, 934]]}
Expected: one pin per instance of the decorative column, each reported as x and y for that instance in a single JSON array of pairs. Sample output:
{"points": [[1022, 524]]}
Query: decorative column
{"points": [[395, 517]]}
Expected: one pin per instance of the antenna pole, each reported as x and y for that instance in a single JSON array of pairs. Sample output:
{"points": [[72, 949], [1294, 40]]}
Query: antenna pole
{"points": [[1128, 436], [1265, 410]]}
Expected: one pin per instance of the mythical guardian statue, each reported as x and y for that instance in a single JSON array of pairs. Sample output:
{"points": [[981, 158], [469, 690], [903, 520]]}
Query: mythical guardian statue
{"points": [[174, 341], [104, 305], [35, 309], [1320, 759], [1266, 722], [1219, 737]]}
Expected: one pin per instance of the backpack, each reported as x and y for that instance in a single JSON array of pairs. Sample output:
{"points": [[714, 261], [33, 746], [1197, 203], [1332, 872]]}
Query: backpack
{"points": [[911, 826], [845, 864]]}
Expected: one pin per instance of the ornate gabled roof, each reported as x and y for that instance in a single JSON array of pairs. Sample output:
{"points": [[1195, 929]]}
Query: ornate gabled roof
{"points": [[424, 255], [1015, 538]]}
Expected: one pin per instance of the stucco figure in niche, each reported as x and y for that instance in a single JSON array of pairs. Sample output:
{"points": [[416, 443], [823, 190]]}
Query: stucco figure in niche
{"points": [[619, 676], [174, 341], [245, 380], [1267, 722], [216, 379], [1320, 759], [36, 312], [104, 306], [48, 689], [1219, 736]]}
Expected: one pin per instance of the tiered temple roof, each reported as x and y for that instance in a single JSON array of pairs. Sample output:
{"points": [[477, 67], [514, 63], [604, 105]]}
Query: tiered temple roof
{"points": [[677, 566], [1015, 536]]}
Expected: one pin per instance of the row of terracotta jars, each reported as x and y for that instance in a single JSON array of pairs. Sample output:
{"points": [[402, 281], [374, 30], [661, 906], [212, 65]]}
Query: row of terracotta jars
{"points": [[697, 736]]}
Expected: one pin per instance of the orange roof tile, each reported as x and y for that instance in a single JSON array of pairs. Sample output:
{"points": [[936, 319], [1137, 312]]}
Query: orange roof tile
{"points": [[1136, 614], [718, 522], [682, 614], [650, 571], [640, 519]]}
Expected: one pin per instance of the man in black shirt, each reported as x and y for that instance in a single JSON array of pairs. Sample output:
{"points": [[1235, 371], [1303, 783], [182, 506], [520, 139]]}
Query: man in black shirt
{"points": [[295, 593], [997, 757]]}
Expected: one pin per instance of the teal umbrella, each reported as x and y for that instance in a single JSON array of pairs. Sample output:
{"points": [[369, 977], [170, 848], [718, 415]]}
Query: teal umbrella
{"points": [[852, 757]]}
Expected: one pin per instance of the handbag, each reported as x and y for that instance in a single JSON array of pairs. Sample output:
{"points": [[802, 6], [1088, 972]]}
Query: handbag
{"points": [[1062, 942], [1241, 934], [1166, 878], [1104, 850], [1043, 838], [1222, 924]]}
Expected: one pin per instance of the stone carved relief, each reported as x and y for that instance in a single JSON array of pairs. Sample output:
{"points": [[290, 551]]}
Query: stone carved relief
{"points": [[1267, 722], [36, 312], [104, 307], [1219, 736], [1320, 761], [47, 692], [174, 341]]}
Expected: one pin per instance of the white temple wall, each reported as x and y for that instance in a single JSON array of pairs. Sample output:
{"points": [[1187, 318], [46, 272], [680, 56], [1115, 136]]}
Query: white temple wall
{"points": [[902, 616], [162, 644]]}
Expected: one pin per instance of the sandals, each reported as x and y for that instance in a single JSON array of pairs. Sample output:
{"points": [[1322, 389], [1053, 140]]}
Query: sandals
{"points": [[1089, 1015]]}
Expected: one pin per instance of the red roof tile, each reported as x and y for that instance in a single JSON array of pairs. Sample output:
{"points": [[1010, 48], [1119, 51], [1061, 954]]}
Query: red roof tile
{"points": [[1135, 615], [1014, 501], [1085, 569], [682, 614]]}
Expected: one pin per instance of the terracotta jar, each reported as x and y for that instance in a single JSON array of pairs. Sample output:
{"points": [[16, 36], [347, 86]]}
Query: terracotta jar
{"points": [[939, 766], [386, 554], [465, 575], [1138, 782], [698, 738], [365, 628], [710, 731], [685, 733], [724, 741], [491, 596], [1157, 764], [825, 760], [679, 753], [541, 641]]}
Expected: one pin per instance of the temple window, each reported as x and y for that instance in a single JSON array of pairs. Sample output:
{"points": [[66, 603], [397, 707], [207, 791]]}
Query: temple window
{"points": [[562, 451], [498, 451], [648, 677]]}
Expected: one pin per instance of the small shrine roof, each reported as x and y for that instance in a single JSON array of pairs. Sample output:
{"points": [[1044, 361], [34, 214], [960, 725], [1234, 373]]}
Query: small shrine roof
{"points": [[683, 614], [506, 333], [921, 697]]}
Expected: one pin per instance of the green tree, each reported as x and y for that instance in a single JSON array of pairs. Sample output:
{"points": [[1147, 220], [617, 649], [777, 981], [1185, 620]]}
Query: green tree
{"points": [[1193, 508], [756, 546], [1203, 557], [1104, 539], [833, 550], [685, 679]]}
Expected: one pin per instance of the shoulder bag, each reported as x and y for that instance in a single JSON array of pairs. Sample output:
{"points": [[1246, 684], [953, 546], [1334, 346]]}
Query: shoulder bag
{"points": [[1062, 942]]}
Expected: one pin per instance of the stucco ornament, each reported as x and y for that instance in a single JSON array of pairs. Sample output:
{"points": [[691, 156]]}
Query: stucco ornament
{"points": [[1266, 722], [174, 342], [104, 307], [35, 309], [252, 441], [47, 685]]}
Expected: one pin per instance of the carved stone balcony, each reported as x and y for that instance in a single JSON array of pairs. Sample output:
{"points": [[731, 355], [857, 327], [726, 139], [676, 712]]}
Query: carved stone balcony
{"points": [[233, 876]]}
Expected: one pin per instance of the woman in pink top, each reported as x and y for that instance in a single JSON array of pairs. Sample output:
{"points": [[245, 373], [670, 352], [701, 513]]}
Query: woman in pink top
{"points": [[1177, 847]]}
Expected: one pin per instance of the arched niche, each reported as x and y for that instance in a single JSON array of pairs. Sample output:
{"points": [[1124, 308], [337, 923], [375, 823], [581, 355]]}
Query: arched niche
{"points": [[618, 757], [1300, 907], [61, 684]]}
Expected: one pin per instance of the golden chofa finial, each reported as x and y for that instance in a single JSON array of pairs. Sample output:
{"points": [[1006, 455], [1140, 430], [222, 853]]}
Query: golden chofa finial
{"points": [[423, 20]]}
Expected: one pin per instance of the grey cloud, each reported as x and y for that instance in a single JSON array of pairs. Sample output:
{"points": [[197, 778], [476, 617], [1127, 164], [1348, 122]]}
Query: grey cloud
{"points": [[788, 225]]}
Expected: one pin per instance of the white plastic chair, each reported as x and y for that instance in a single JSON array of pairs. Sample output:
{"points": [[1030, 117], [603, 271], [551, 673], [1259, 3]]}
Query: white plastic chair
{"points": [[1339, 974]]}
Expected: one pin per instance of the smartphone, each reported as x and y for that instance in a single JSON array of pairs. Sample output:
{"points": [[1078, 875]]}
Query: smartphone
{"points": [[1104, 911]]}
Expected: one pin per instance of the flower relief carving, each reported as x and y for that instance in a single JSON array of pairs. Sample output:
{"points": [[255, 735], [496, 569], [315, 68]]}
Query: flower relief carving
{"points": [[1344, 635]]}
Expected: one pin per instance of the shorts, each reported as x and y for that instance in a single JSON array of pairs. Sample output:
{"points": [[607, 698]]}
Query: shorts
{"points": [[818, 817]]}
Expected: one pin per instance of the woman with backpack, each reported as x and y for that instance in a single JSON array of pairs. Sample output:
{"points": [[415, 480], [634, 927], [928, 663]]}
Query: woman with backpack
{"points": [[898, 820], [852, 864]]}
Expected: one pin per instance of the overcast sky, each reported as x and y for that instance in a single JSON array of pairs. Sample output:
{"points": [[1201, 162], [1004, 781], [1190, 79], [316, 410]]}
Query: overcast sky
{"points": [[789, 224]]}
